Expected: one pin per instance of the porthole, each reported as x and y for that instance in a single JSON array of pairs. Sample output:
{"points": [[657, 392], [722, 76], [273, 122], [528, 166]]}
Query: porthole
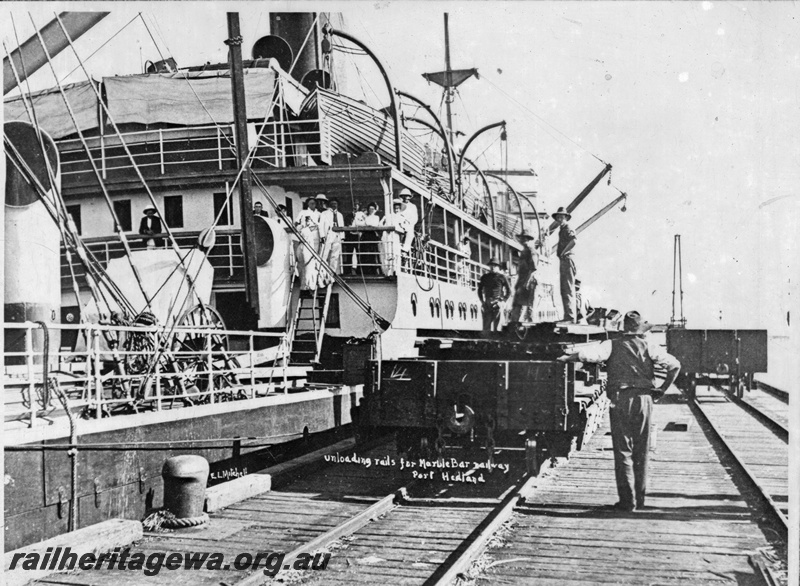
{"points": [[414, 304], [432, 304]]}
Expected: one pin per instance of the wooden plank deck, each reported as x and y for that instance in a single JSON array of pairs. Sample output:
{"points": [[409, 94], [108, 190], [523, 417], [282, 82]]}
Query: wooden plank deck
{"points": [[765, 454], [272, 522], [696, 527]]}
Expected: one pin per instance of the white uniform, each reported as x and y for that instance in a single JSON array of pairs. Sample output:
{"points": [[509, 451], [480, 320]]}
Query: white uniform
{"points": [[411, 215], [390, 242], [332, 249], [308, 223]]}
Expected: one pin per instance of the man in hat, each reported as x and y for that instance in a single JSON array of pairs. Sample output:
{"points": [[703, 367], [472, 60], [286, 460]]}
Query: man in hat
{"points": [[525, 288], [566, 243], [411, 214], [631, 388], [493, 291], [330, 240], [150, 226]]}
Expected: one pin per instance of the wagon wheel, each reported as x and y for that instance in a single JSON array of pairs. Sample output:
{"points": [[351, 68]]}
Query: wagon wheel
{"points": [[190, 350], [139, 347]]}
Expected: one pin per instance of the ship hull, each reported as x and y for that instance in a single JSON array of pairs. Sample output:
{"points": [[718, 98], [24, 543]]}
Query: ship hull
{"points": [[119, 475]]}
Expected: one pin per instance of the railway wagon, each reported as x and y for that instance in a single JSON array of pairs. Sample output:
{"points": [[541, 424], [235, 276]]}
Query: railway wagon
{"points": [[545, 407], [718, 357]]}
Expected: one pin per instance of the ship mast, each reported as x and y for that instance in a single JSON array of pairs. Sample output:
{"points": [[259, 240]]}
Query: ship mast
{"points": [[449, 79], [234, 43]]}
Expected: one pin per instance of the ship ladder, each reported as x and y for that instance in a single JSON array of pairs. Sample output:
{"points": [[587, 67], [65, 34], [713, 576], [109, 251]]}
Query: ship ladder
{"points": [[308, 327]]}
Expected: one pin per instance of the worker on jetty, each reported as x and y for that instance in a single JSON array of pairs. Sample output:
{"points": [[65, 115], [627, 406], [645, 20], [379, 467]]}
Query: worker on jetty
{"points": [[566, 242], [493, 291], [631, 389], [525, 288]]}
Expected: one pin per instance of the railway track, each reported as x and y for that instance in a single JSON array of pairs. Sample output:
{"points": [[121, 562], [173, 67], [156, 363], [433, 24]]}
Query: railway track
{"points": [[380, 525], [755, 432]]}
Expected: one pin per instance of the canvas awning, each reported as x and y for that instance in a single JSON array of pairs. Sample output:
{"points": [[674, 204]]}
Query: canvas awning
{"points": [[51, 112], [183, 99], [186, 98]]}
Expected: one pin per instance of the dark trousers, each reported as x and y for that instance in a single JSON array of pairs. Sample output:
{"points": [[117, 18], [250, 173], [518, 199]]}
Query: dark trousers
{"points": [[491, 316], [630, 436], [568, 287]]}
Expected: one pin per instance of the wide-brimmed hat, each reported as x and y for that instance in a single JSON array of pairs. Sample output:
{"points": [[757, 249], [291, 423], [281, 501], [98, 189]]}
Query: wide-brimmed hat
{"points": [[634, 324], [494, 261], [562, 211], [321, 196], [525, 236], [404, 192], [150, 208], [397, 201]]}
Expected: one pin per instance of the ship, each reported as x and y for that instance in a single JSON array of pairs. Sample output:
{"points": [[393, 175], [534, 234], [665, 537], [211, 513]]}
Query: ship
{"points": [[205, 335]]}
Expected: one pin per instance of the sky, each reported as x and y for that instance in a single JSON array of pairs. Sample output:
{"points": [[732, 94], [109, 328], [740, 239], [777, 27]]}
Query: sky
{"points": [[693, 103]]}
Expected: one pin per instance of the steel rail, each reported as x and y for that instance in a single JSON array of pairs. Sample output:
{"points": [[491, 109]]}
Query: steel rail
{"points": [[772, 508], [772, 424], [774, 391]]}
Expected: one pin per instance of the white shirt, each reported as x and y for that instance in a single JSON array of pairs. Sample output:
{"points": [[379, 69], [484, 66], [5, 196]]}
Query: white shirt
{"points": [[373, 220], [602, 351], [326, 222], [411, 214], [358, 219], [311, 216]]}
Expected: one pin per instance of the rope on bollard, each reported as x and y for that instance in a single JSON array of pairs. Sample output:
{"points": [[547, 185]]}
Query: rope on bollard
{"points": [[176, 523]]}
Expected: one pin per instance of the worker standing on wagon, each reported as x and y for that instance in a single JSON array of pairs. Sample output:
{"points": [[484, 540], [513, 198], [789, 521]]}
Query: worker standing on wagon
{"points": [[566, 242], [525, 288], [631, 389], [493, 291]]}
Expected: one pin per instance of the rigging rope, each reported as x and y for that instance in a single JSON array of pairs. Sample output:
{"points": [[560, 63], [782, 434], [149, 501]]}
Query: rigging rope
{"points": [[123, 239], [124, 144], [540, 119]]}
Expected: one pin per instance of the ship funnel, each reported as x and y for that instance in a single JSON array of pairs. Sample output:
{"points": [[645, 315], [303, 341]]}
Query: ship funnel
{"points": [[301, 32], [272, 47], [32, 242]]}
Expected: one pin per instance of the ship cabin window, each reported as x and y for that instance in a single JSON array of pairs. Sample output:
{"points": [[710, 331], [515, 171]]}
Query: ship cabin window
{"points": [[222, 209], [484, 249], [474, 251], [453, 230], [173, 211], [122, 209], [75, 213], [514, 268], [289, 208], [437, 225]]}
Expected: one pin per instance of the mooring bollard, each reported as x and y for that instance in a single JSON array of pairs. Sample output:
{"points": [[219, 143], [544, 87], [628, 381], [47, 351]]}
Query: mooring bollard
{"points": [[185, 479]]}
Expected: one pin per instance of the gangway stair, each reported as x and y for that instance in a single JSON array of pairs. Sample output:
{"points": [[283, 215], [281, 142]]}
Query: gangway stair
{"points": [[308, 326]]}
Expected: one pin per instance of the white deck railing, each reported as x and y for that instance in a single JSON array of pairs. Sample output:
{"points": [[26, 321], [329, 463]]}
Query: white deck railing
{"points": [[114, 369]]}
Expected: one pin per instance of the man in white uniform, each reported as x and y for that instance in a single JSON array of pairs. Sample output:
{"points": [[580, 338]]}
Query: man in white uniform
{"points": [[411, 215], [331, 241]]}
